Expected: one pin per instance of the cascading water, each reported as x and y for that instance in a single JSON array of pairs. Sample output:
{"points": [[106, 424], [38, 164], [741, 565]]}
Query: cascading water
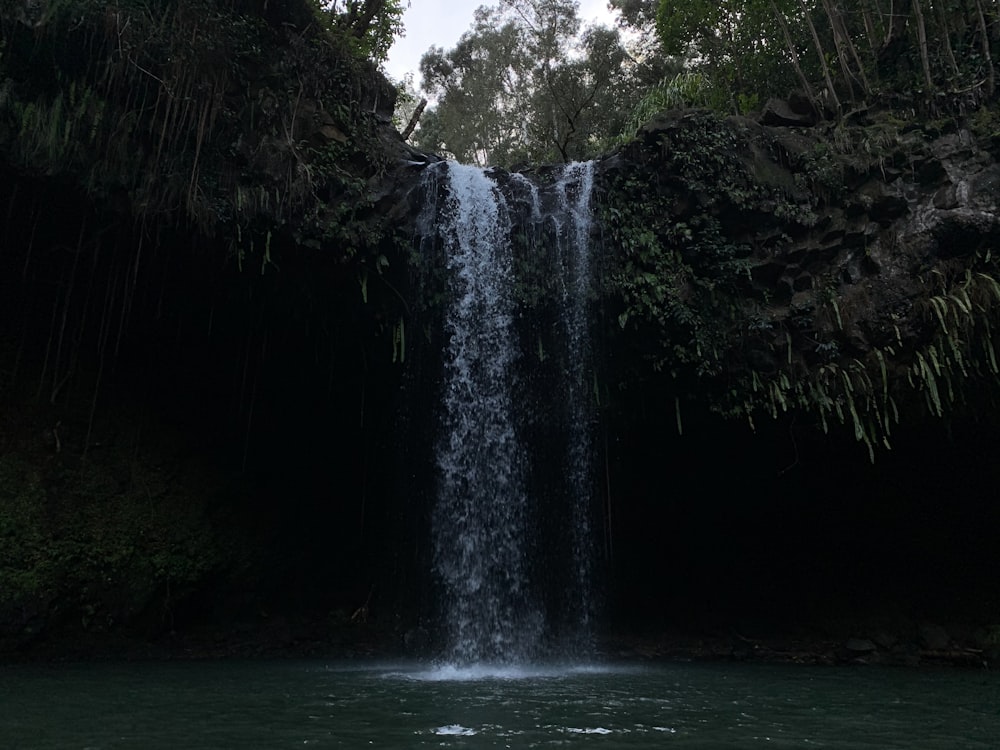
{"points": [[573, 220], [479, 522], [485, 523]]}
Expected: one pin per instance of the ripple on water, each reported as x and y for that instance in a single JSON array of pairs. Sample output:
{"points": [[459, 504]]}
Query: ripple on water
{"points": [[482, 672], [455, 730]]}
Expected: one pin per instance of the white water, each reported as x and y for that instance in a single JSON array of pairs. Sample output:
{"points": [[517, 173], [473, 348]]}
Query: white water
{"points": [[574, 190], [509, 672], [484, 520], [479, 522]]}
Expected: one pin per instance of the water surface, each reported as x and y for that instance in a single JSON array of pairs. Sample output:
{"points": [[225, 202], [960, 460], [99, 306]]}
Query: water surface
{"points": [[323, 705]]}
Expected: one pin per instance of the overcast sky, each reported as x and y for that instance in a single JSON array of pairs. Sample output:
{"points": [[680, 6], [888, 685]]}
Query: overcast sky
{"points": [[441, 22]]}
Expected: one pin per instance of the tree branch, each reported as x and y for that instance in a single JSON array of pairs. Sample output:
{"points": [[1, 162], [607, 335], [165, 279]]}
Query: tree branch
{"points": [[414, 118]]}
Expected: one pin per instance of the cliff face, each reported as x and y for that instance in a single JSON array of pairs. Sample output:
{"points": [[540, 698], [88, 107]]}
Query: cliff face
{"points": [[849, 273], [207, 278], [837, 290], [190, 266]]}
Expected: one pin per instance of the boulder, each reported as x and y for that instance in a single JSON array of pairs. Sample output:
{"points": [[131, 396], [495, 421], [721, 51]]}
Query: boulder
{"points": [[779, 113]]}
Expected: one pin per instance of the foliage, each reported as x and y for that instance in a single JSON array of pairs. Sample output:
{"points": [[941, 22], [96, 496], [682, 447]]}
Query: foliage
{"points": [[700, 216], [371, 26], [729, 39], [526, 84], [648, 62], [865, 393], [183, 108], [856, 52], [682, 278], [96, 545], [407, 100], [687, 89]]}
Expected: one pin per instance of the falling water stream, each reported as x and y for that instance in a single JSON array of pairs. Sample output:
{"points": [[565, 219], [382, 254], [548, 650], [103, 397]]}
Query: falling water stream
{"points": [[479, 521], [482, 524], [574, 189]]}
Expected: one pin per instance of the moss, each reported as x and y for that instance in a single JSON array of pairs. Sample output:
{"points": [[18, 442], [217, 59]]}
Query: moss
{"points": [[761, 298], [97, 544], [199, 113], [985, 125], [683, 264]]}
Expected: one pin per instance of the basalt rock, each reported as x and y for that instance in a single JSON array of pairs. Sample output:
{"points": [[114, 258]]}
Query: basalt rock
{"points": [[847, 271]]}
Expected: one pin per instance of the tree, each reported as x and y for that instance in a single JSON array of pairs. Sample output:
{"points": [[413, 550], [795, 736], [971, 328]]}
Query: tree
{"points": [[650, 64], [525, 84], [479, 86], [372, 25], [730, 39], [840, 51]]}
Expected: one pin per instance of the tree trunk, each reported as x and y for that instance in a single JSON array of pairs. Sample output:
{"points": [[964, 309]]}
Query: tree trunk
{"points": [[779, 16], [925, 63], [830, 90], [414, 119], [946, 41], [871, 34], [865, 86], [898, 14], [895, 36], [990, 72], [862, 78], [844, 47], [362, 21]]}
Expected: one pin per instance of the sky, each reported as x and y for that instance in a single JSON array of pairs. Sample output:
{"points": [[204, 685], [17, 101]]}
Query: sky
{"points": [[441, 22]]}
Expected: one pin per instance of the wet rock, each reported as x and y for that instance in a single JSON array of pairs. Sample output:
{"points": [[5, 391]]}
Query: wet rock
{"points": [[887, 208], [785, 288], [803, 282], [947, 197], [930, 172], [767, 274], [959, 144], [800, 103], [934, 637], [885, 640], [984, 188], [860, 645], [791, 145], [779, 113]]}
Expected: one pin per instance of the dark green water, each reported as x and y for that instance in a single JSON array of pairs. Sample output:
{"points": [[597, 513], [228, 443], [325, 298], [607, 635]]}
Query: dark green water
{"points": [[319, 705]]}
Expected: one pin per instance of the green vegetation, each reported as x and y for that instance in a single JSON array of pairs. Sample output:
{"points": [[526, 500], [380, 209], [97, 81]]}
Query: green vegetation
{"points": [[182, 107], [527, 84], [677, 269], [162, 165], [702, 208], [369, 26], [915, 54], [105, 542], [688, 89]]}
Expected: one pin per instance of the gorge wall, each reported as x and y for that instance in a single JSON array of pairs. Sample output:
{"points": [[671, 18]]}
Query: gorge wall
{"points": [[217, 336]]}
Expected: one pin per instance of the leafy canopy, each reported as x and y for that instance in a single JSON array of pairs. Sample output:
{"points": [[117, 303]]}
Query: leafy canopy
{"points": [[839, 53], [371, 25], [528, 83]]}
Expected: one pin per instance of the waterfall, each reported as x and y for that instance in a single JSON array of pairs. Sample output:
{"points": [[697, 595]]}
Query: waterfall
{"points": [[573, 217], [485, 523], [480, 518]]}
